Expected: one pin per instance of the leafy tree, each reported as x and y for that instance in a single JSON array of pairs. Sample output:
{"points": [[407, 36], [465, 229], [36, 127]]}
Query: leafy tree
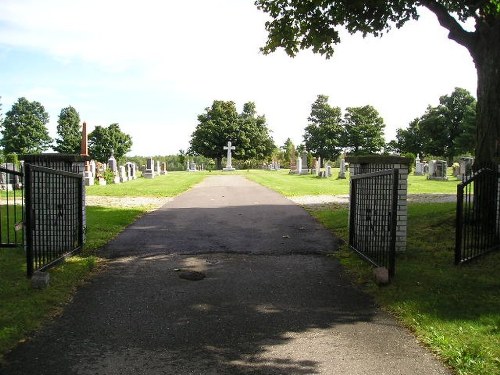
{"points": [[1, 114], [106, 141], [289, 152], [215, 128], [253, 136], [297, 25], [24, 128], [325, 134], [221, 123], [364, 129], [409, 140], [448, 129], [69, 132]]}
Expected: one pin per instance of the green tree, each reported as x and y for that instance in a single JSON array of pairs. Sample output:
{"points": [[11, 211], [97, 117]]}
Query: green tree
{"points": [[364, 129], [69, 132], [297, 25], [106, 141], [253, 136], [448, 129], [215, 128], [289, 152], [1, 113], [24, 128], [409, 139], [221, 123], [325, 133]]}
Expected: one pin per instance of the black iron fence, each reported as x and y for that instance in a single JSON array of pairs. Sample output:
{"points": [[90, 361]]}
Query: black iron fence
{"points": [[11, 208], [373, 217], [478, 215], [54, 216]]}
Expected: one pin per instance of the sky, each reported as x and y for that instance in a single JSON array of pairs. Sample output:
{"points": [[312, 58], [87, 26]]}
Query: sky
{"points": [[153, 66]]}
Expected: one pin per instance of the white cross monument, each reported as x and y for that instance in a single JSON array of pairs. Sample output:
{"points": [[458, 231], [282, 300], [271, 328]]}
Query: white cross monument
{"points": [[229, 147]]}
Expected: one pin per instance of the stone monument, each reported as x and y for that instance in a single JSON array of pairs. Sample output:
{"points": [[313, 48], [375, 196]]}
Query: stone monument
{"points": [[229, 148]]}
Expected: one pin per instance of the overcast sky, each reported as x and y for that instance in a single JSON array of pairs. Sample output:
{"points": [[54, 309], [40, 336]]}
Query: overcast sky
{"points": [[153, 66]]}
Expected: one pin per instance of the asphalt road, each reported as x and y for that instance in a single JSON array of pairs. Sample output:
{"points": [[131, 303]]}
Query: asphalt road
{"points": [[271, 302]]}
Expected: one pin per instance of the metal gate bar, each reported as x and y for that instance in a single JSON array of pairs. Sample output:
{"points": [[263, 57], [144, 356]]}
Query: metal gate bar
{"points": [[11, 209], [478, 216], [54, 216], [373, 217]]}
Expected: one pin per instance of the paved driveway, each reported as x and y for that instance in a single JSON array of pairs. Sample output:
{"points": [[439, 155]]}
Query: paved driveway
{"points": [[271, 301]]}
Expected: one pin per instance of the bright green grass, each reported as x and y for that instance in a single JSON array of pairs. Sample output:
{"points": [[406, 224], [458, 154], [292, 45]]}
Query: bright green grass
{"points": [[295, 185], [455, 310], [168, 185], [22, 309]]}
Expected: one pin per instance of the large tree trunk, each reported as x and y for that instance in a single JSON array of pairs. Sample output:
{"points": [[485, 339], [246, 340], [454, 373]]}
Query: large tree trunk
{"points": [[486, 55]]}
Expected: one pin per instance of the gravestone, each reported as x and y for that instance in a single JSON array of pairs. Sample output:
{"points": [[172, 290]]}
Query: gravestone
{"points": [[342, 169], [437, 170], [133, 170], [304, 167], [123, 174], [113, 167], [128, 171], [419, 167], [299, 165], [164, 168], [158, 168], [8, 181], [229, 165], [328, 171], [149, 172], [465, 166]]}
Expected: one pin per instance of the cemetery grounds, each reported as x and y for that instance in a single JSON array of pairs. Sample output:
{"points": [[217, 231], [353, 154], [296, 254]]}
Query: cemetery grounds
{"points": [[454, 310]]}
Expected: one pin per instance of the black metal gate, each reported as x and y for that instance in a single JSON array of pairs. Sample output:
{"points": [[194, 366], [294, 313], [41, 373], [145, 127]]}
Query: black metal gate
{"points": [[54, 216], [478, 216], [373, 217], [11, 208]]}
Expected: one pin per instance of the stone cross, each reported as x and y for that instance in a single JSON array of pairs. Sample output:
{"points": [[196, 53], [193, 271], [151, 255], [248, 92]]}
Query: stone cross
{"points": [[229, 148]]}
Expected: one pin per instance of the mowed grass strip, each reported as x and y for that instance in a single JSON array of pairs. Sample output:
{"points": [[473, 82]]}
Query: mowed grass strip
{"points": [[454, 310], [168, 185], [292, 185]]}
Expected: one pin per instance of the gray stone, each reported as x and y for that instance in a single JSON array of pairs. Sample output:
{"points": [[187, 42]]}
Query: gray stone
{"points": [[381, 275], [40, 280], [191, 275]]}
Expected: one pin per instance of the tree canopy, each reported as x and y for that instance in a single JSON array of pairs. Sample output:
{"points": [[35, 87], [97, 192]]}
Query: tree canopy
{"points": [[447, 130], [24, 128], [324, 136], [364, 130], [297, 25], [221, 123], [104, 141], [68, 131]]}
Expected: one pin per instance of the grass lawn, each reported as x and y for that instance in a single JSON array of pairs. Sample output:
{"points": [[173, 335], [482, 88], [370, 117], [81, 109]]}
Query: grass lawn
{"points": [[22, 308], [168, 185], [295, 185], [453, 310]]}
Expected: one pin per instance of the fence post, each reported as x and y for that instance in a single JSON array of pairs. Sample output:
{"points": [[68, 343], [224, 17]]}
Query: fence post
{"points": [[459, 224], [28, 196], [352, 208], [394, 221]]}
